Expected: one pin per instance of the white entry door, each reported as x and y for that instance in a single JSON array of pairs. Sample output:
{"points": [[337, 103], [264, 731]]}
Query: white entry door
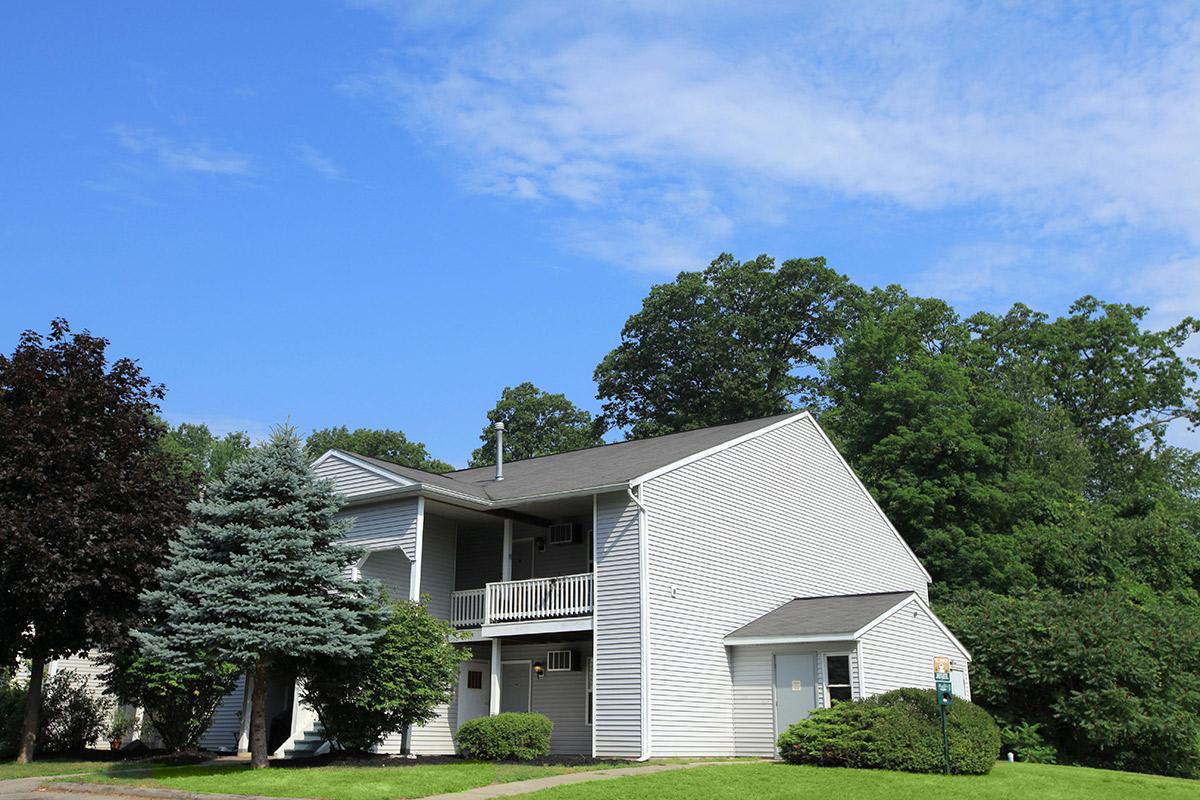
{"points": [[474, 690], [515, 685], [795, 688]]}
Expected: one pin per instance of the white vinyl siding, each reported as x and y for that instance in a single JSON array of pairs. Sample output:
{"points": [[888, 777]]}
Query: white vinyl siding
{"points": [[754, 696], [618, 664], [88, 668], [437, 564], [384, 526], [899, 651], [392, 569], [351, 480], [226, 728], [734, 535]]}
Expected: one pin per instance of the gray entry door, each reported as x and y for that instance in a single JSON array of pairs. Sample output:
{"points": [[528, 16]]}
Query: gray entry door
{"points": [[795, 688], [522, 559], [514, 686]]}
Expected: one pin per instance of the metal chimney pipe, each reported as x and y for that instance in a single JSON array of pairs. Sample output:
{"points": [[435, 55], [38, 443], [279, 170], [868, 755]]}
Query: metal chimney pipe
{"points": [[499, 451]]}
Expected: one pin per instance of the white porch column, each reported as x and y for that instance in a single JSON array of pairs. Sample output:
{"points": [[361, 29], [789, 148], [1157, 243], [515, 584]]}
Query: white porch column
{"points": [[497, 664], [506, 564], [414, 580]]}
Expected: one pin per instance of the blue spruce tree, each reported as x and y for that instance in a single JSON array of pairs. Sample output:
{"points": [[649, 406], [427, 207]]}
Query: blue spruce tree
{"points": [[259, 579]]}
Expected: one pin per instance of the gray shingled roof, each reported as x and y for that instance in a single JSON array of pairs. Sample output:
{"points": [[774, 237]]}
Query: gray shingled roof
{"points": [[580, 470], [839, 615]]}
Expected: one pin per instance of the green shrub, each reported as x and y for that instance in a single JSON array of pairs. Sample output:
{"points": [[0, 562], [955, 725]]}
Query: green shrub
{"points": [[899, 730], [72, 718], [12, 710], [1025, 742], [506, 737]]}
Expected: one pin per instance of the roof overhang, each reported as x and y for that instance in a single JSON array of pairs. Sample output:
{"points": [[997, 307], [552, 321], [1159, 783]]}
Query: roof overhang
{"points": [[851, 636]]}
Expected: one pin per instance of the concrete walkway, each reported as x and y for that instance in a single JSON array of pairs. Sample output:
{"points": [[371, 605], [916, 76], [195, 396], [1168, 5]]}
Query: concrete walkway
{"points": [[39, 789], [537, 784]]}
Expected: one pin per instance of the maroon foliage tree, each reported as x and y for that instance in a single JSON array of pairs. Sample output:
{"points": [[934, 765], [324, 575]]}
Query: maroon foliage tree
{"points": [[88, 499]]}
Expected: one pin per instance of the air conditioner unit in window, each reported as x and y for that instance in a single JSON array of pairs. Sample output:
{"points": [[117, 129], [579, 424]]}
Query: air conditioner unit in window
{"points": [[562, 533], [559, 661]]}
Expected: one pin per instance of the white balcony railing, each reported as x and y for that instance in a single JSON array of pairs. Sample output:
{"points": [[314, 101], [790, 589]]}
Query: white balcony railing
{"points": [[520, 601]]}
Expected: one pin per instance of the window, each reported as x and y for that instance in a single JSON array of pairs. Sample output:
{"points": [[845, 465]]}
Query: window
{"points": [[474, 679], [558, 661], [837, 678], [587, 684]]}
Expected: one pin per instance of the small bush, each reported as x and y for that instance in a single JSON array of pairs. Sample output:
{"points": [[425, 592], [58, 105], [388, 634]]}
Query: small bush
{"points": [[899, 730], [1025, 742], [12, 710], [506, 737], [72, 718]]}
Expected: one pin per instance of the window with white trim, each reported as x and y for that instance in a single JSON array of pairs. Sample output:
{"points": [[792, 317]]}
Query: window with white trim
{"points": [[837, 678], [587, 684]]}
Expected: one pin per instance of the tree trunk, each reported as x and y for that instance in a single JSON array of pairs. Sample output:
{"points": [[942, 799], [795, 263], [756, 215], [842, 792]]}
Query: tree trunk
{"points": [[33, 708], [258, 717]]}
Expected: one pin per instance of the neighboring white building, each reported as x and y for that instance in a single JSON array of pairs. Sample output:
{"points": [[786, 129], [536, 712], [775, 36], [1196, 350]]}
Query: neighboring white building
{"points": [[691, 594]]}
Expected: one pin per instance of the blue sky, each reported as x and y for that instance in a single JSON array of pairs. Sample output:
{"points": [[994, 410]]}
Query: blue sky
{"points": [[380, 214]]}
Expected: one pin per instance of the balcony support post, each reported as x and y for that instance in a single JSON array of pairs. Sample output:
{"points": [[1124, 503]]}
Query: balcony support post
{"points": [[497, 665]]}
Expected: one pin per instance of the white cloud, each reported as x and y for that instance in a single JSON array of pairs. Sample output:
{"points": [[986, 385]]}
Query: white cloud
{"points": [[1059, 120], [313, 159], [182, 156]]}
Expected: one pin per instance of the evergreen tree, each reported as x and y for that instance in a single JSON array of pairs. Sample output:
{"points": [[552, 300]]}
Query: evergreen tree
{"points": [[259, 579]]}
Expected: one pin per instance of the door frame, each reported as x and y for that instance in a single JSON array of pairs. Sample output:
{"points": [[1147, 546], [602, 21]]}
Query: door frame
{"points": [[458, 694], [532, 556], [528, 662], [775, 684]]}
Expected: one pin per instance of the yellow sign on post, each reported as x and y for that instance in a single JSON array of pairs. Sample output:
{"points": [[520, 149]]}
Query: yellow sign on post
{"points": [[941, 664]]}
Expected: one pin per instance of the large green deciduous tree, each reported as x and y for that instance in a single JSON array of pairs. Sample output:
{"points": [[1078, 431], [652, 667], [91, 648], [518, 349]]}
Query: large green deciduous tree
{"points": [[736, 341], [385, 444], [411, 670], [258, 578], [536, 423], [195, 446], [88, 499]]}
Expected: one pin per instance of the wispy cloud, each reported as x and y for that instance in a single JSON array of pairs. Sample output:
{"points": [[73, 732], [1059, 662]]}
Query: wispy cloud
{"points": [[312, 158], [182, 156], [1071, 118]]}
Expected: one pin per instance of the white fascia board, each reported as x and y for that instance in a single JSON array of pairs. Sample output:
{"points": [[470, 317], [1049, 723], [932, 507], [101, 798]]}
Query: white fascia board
{"points": [[365, 465], [926, 610], [683, 462], [871, 499], [790, 639], [534, 627], [585, 492]]}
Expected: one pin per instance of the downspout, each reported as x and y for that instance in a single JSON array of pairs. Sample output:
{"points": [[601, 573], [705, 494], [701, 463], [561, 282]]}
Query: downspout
{"points": [[644, 608]]}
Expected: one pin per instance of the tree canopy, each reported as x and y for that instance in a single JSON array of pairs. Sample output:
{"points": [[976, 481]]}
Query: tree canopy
{"points": [[385, 444], [89, 500], [259, 578], [202, 453], [536, 423], [736, 341]]}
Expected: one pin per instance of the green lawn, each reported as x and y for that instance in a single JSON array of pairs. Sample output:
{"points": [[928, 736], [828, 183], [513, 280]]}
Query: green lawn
{"points": [[337, 783], [51, 766], [780, 781]]}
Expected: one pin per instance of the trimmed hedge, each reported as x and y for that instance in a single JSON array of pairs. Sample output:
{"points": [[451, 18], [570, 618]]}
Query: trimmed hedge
{"points": [[506, 737], [898, 730]]}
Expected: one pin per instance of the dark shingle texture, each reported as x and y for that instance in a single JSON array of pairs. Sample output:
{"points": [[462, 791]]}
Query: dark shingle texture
{"points": [[580, 470], [818, 616]]}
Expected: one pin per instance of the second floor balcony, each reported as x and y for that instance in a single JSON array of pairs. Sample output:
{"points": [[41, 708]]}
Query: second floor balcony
{"points": [[529, 600]]}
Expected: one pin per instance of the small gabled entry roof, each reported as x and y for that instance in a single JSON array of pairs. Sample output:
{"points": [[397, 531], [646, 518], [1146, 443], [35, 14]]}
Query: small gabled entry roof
{"points": [[832, 618], [819, 618]]}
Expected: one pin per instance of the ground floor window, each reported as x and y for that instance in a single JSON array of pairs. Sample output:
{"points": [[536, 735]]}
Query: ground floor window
{"points": [[837, 678]]}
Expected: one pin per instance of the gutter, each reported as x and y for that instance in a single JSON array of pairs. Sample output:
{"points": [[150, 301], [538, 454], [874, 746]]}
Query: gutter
{"points": [[644, 610]]}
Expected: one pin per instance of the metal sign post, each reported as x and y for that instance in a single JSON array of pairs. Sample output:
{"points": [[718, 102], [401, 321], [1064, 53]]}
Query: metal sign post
{"points": [[945, 696]]}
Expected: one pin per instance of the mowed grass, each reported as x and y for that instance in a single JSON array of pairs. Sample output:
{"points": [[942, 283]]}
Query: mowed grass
{"points": [[52, 766], [335, 783], [788, 782]]}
